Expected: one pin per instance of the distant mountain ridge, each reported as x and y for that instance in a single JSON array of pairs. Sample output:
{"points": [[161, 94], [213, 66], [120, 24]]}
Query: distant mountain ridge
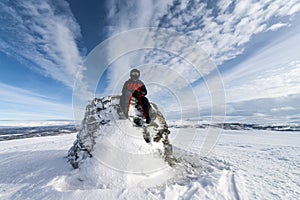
{"points": [[236, 126], [11, 133]]}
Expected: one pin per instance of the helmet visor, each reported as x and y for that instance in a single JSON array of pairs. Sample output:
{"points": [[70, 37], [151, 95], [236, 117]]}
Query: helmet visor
{"points": [[135, 74]]}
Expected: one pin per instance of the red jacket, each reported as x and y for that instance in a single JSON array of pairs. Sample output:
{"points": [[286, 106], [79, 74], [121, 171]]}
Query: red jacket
{"points": [[131, 86]]}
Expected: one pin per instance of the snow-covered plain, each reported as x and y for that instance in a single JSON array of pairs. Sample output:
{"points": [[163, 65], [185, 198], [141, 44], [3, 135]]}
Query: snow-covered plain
{"points": [[244, 164]]}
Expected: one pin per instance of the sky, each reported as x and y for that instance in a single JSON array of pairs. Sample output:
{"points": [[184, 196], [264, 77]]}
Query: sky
{"points": [[249, 47]]}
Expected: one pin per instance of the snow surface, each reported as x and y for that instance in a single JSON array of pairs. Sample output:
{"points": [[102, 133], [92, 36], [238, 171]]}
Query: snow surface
{"points": [[243, 165]]}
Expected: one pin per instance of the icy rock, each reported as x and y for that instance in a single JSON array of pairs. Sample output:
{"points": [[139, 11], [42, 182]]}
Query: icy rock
{"points": [[102, 117]]}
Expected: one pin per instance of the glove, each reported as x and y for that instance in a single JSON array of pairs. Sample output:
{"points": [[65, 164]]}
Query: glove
{"points": [[136, 94]]}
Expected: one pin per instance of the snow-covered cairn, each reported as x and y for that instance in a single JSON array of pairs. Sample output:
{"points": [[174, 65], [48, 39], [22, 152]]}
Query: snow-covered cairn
{"points": [[102, 113]]}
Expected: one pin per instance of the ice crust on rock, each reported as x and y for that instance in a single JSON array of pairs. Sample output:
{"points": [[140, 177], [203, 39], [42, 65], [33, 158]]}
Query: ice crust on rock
{"points": [[114, 141]]}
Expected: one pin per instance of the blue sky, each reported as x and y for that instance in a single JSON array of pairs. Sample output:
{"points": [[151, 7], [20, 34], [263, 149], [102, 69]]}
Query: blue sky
{"points": [[43, 46]]}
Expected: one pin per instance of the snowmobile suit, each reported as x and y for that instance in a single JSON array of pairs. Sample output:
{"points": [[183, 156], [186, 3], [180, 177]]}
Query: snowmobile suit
{"points": [[136, 89]]}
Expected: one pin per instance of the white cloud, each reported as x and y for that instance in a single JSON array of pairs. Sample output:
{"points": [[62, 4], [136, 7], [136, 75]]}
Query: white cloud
{"points": [[268, 82], [283, 109], [277, 26], [124, 16], [42, 34], [134, 14], [222, 29], [17, 103]]}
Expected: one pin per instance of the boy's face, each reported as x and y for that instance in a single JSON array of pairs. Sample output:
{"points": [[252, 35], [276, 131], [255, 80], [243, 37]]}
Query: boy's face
{"points": [[135, 75]]}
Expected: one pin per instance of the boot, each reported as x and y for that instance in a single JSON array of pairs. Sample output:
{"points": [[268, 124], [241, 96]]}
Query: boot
{"points": [[148, 119]]}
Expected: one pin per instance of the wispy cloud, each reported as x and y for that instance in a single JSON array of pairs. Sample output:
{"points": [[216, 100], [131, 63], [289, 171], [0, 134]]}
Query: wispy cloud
{"points": [[268, 82], [271, 72], [123, 16], [277, 26], [222, 28], [18, 103], [138, 14], [42, 34]]}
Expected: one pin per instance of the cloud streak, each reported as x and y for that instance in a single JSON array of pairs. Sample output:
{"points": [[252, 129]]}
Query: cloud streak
{"points": [[268, 82], [43, 35], [269, 73], [18, 103]]}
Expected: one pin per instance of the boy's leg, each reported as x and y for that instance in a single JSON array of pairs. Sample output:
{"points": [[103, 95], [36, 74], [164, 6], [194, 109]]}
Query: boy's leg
{"points": [[144, 102], [124, 105]]}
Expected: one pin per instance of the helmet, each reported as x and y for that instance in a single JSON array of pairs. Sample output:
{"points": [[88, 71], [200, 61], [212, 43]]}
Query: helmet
{"points": [[135, 74]]}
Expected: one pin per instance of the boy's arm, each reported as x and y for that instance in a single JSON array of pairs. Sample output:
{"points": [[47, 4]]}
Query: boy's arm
{"points": [[143, 89]]}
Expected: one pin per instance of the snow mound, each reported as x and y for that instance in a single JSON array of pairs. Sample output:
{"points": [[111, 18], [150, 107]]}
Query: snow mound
{"points": [[110, 146], [111, 154]]}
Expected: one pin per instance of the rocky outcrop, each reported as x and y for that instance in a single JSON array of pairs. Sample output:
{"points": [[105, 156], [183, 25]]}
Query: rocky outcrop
{"points": [[102, 112]]}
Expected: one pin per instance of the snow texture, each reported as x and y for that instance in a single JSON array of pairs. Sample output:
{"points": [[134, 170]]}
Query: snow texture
{"points": [[120, 164], [245, 164]]}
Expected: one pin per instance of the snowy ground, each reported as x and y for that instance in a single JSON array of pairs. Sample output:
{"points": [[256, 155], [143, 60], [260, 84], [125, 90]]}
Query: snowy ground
{"points": [[253, 165], [243, 165]]}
